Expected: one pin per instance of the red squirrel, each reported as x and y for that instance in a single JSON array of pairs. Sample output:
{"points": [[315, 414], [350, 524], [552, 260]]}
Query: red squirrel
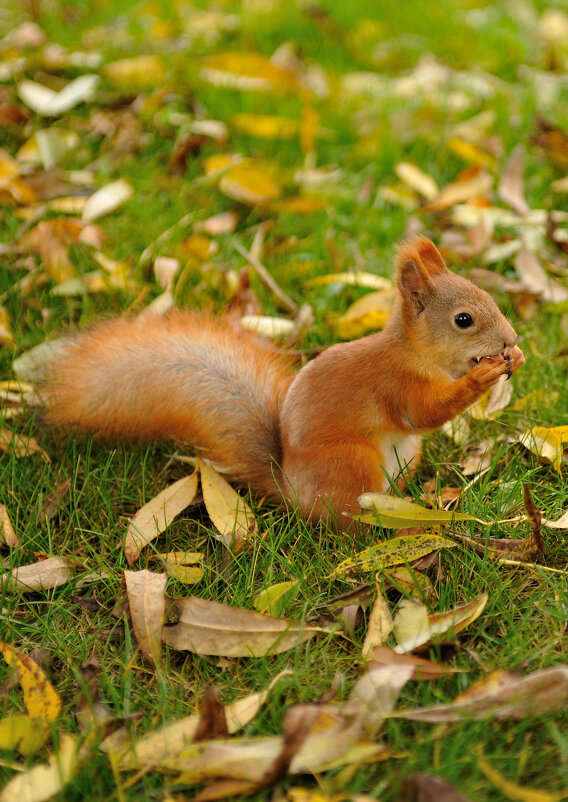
{"points": [[319, 436]]}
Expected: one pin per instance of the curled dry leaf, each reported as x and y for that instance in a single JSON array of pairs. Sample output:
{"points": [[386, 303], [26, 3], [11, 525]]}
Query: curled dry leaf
{"points": [[147, 602], [512, 697], [7, 533], [155, 516], [380, 624], [208, 627], [375, 695], [413, 626], [422, 669], [42, 575], [40, 698], [229, 512]]}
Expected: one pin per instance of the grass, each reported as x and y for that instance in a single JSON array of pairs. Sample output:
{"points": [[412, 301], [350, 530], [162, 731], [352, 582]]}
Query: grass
{"points": [[366, 135]]}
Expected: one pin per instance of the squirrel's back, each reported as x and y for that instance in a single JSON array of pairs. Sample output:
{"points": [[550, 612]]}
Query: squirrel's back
{"points": [[187, 377]]}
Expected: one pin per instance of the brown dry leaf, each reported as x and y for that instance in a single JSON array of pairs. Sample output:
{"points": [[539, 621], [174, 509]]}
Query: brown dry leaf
{"points": [[51, 240], [535, 279], [155, 516], [165, 743], [553, 142], [380, 624], [7, 533], [180, 565], [45, 780], [246, 71], [473, 183], [511, 186], [147, 603], [20, 445], [375, 695], [512, 697], [42, 575], [371, 312], [427, 788], [51, 505], [212, 717], [250, 182], [511, 790], [208, 627], [229, 512], [413, 627], [422, 669], [40, 698]]}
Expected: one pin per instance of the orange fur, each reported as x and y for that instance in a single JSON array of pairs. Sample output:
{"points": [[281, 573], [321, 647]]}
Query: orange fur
{"points": [[321, 436]]}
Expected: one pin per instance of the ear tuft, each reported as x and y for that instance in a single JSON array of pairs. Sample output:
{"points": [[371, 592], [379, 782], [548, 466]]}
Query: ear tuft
{"points": [[422, 251]]}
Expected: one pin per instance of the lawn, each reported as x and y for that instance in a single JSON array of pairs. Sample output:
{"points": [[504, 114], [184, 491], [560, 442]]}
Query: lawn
{"points": [[316, 136]]}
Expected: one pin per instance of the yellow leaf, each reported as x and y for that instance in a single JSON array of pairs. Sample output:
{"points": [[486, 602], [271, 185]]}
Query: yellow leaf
{"points": [[248, 182], [219, 161], [398, 551], [417, 180], [353, 278], [24, 733], [511, 790], [7, 533], [397, 513], [246, 71], [471, 153], [46, 779], [6, 336], [419, 627], [297, 204], [180, 565], [274, 600], [40, 697], [137, 73], [229, 513], [265, 126], [547, 443], [370, 312]]}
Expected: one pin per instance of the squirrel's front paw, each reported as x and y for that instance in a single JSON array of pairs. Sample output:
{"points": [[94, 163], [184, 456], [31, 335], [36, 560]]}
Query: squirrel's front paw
{"points": [[486, 372], [515, 359]]}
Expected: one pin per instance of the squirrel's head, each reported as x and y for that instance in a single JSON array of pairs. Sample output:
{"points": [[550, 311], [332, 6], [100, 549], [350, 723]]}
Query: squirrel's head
{"points": [[448, 320]]}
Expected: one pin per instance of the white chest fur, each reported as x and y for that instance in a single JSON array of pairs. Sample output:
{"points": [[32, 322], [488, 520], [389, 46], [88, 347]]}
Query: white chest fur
{"points": [[399, 451]]}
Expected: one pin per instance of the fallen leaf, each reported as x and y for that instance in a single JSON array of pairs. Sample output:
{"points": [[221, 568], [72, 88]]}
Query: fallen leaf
{"points": [[167, 742], [273, 327], [155, 516], [422, 669], [535, 279], [137, 73], [7, 533], [513, 791], [250, 183], [47, 146], [40, 698], [471, 153], [276, 598], [397, 513], [208, 627], [354, 279], [45, 780], [147, 603], [514, 697], [375, 695], [265, 126], [229, 512], [26, 734], [223, 223], [212, 718], [426, 788], [397, 551], [47, 103], [42, 575], [6, 336], [180, 565], [379, 626], [107, 199], [20, 445], [415, 629], [546, 443], [418, 180], [246, 71], [476, 183], [511, 187], [370, 312], [493, 401]]}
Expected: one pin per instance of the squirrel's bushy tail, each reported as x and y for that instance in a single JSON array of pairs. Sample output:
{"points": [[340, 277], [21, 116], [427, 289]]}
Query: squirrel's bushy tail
{"points": [[187, 377]]}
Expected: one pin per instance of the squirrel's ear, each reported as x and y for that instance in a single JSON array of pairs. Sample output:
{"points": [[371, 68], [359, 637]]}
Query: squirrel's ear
{"points": [[414, 283]]}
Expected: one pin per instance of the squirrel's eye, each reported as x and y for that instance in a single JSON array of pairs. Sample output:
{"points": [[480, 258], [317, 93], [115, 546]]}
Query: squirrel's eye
{"points": [[463, 320]]}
